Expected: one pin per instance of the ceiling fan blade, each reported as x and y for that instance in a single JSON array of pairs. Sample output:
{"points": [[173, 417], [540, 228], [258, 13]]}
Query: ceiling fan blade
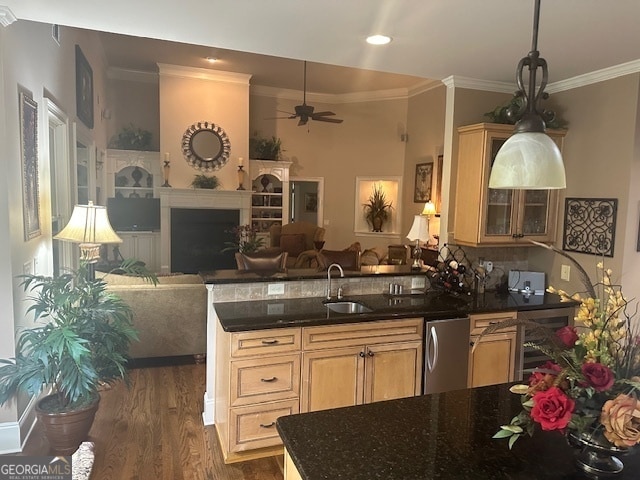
{"points": [[278, 118], [284, 111], [330, 120], [323, 114]]}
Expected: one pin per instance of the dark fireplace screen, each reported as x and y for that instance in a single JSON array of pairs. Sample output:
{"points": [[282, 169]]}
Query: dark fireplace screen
{"points": [[197, 237]]}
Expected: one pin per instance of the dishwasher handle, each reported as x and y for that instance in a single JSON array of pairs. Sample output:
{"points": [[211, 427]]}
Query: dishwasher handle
{"points": [[433, 338]]}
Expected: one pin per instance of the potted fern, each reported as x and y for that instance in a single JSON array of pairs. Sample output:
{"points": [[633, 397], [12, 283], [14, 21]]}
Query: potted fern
{"points": [[377, 209], [79, 342]]}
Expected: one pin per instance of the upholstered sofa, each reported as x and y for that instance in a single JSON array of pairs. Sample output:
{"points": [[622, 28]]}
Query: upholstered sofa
{"points": [[171, 317], [295, 238]]}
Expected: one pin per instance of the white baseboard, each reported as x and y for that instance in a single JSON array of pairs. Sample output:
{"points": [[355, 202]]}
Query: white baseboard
{"points": [[10, 438], [208, 415]]}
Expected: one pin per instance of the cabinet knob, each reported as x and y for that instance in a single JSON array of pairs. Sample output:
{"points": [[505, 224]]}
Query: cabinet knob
{"points": [[370, 353], [268, 380], [361, 354], [471, 344]]}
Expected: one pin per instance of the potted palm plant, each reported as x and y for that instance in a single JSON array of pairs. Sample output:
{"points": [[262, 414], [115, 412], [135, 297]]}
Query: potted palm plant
{"points": [[377, 209], [79, 343]]}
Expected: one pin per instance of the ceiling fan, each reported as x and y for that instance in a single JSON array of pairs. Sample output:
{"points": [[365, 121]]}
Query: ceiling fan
{"points": [[305, 112]]}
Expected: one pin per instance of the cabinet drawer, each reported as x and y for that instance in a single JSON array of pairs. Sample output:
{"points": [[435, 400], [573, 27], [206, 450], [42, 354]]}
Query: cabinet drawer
{"points": [[366, 333], [260, 342], [478, 322], [255, 426], [265, 379]]}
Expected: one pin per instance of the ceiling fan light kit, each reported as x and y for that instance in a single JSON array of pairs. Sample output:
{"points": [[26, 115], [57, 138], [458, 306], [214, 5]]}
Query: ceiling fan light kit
{"points": [[529, 159]]}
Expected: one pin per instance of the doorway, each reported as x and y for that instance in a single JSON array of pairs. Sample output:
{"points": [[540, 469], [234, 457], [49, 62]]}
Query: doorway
{"points": [[60, 176], [306, 200]]}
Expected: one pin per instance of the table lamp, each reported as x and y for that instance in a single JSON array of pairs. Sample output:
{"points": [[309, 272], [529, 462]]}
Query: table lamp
{"points": [[419, 231], [90, 228]]}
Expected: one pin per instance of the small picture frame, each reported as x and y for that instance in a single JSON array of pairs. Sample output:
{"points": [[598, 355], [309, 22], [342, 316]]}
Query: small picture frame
{"points": [[84, 89], [29, 153], [423, 182], [310, 202]]}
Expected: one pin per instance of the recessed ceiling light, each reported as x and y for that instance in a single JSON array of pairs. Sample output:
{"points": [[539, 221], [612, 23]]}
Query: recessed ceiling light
{"points": [[212, 59], [378, 40]]}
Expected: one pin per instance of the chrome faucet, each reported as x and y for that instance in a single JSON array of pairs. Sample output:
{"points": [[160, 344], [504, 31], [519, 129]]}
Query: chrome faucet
{"points": [[329, 278]]}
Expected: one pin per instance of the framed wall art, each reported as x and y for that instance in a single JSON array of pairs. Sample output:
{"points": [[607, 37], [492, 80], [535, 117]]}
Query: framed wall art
{"points": [[29, 153], [423, 182], [84, 89], [310, 202], [590, 225]]}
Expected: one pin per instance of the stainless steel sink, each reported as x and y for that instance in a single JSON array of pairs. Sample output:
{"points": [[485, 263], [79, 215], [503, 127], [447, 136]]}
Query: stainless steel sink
{"points": [[347, 307]]}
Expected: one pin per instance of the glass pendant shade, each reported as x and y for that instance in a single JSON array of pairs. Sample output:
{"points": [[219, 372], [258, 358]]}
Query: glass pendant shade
{"points": [[528, 160]]}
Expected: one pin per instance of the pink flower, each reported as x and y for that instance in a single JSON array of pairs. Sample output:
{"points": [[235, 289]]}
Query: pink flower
{"points": [[598, 376], [568, 335], [552, 409]]}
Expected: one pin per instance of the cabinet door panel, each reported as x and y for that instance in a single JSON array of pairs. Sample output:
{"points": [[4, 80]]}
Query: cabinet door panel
{"points": [[332, 378], [493, 360], [393, 371]]}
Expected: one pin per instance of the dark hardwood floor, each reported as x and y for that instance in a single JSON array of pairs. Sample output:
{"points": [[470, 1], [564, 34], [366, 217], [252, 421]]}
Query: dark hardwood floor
{"points": [[154, 430]]}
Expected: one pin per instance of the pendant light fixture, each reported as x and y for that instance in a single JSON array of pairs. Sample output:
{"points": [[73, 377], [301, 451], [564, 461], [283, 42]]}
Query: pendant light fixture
{"points": [[529, 159]]}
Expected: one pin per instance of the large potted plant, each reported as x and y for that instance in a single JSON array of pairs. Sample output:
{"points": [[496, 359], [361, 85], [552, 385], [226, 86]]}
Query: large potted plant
{"points": [[80, 342], [377, 209]]}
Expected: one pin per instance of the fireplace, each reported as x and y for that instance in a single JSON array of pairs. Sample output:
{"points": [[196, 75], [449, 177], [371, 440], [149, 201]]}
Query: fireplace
{"points": [[198, 237], [195, 223]]}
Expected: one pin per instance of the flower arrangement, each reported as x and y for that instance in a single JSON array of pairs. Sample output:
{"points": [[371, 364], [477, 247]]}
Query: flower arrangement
{"points": [[246, 240], [591, 385]]}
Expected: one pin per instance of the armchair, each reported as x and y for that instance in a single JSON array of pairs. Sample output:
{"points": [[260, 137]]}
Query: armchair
{"points": [[295, 238]]}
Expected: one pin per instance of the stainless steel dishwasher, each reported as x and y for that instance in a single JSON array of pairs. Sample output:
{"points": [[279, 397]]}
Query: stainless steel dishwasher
{"points": [[446, 355]]}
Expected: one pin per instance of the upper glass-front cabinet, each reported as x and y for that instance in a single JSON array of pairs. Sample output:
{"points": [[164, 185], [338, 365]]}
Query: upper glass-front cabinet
{"points": [[500, 217]]}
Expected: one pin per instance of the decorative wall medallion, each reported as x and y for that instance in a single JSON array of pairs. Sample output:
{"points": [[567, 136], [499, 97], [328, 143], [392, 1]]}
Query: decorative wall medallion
{"points": [[590, 225], [205, 146]]}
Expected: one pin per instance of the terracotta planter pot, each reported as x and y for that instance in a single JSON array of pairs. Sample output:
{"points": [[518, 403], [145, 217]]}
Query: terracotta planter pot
{"points": [[67, 430]]}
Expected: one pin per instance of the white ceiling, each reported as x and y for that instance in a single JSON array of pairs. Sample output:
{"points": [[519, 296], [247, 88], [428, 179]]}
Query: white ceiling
{"points": [[433, 39]]}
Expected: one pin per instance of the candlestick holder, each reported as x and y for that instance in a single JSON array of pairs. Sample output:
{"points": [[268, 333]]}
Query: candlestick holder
{"points": [[166, 170], [241, 177]]}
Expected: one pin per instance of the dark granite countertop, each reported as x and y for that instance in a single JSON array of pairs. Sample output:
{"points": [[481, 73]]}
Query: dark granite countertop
{"points": [[439, 436], [434, 305], [247, 276]]}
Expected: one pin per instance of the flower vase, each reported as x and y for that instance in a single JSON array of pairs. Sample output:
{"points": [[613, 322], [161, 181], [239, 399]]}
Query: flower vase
{"points": [[595, 456], [377, 224]]}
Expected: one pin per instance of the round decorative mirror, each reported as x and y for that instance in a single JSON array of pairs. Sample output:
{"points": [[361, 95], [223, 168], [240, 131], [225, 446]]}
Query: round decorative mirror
{"points": [[206, 146]]}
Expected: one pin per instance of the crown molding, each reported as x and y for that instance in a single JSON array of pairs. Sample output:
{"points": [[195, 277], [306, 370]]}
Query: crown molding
{"points": [[203, 74], [131, 75], [424, 86], [456, 81], [6, 16], [356, 97], [608, 73]]}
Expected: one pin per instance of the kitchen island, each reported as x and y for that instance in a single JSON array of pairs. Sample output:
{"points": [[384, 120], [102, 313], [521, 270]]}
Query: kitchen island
{"points": [[440, 436]]}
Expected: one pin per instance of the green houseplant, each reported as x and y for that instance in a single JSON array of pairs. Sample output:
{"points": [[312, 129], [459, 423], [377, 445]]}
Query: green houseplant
{"points": [[203, 181], [79, 342], [262, 148], [377, 209], [131, 138]]}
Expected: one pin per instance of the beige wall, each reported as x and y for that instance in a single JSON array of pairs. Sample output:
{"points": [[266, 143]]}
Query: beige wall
{"points": [[185, 100], [425, 126], [367, 143], [601, 160]]}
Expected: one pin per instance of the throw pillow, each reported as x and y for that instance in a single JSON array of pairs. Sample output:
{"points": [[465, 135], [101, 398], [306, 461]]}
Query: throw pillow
{"points": [[293, 243]]}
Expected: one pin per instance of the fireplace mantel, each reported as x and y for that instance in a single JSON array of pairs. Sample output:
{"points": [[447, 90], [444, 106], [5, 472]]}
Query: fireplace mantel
{"points": [[196, 198]]}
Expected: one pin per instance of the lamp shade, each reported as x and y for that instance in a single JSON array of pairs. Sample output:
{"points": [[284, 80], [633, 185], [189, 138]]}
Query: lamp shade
{"points": [[89, 224], [420, 229], [528, 160], [429, 208]]}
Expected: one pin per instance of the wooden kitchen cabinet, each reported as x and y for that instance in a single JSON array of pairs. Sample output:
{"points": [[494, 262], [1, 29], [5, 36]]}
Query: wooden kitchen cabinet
{"points": [[258, 380], [485, 216], [344, 365], [492, 358]]}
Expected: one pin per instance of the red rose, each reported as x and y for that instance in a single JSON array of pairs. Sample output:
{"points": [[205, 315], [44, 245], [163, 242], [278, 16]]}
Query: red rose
{"points": [[567, 335], [543, 376], [552, 409], [599, 376]]}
